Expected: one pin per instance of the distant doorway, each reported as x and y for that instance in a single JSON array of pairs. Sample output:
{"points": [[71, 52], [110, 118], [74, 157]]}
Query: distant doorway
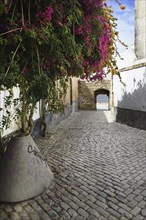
{"points": [[102, 99]]}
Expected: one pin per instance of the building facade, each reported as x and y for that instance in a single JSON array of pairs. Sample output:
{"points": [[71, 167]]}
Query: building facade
{"points": [[89, 92], [70, 102], [130, 97], [140, 28]]}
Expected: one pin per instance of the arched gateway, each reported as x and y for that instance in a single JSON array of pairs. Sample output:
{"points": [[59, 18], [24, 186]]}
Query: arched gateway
{"points": [[102, 99], [91, 92]]}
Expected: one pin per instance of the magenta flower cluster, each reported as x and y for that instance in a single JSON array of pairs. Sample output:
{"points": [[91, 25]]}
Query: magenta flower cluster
{"points": [[104, 39], [91, 34], [46, 15], [85, 31]]}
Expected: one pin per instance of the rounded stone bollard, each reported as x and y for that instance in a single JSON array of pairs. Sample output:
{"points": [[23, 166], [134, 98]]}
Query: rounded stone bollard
{"points": [[24, 173]]}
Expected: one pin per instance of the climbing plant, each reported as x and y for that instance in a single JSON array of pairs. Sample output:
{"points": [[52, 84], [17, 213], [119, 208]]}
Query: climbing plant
{"points": [[44, 41]]}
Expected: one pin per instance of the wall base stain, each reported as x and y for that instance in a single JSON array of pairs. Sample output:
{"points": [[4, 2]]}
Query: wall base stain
{"points": [[133, 118]]}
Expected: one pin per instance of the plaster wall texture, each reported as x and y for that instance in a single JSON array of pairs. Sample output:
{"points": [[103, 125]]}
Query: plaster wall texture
{"points": [[133, 94], [67, 96], [140, 28], [74, 91]]}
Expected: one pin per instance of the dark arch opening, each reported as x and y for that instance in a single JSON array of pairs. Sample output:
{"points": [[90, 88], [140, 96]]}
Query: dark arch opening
{"points": [[102, 99]]}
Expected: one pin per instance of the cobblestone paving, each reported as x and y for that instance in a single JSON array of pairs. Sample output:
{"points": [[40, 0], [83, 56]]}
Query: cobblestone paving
{"points": [[99, 170]]}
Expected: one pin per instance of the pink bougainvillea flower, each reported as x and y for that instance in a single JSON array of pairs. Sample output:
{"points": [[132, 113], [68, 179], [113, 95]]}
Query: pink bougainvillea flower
{"points": [[79, 30], [48, 13]]}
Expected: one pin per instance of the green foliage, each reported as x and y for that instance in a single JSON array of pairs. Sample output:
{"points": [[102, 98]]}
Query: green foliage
{"points": [[39, 48], [56, 94], [6, 118]]}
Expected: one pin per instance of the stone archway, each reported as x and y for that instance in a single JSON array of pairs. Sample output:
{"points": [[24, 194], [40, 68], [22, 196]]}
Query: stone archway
{"points": [[102, 99], [88, 92]]}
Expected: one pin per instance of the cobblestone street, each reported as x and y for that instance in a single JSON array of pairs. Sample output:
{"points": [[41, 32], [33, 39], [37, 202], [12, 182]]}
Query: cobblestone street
{"points": [[99, 173]]}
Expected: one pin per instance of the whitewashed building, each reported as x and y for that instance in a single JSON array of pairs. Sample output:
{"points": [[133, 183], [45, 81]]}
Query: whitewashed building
{"points": [[130, 97]]}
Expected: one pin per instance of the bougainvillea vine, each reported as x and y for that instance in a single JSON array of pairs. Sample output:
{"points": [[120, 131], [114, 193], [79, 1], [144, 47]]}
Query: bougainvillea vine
{"points": [[43, 41]]}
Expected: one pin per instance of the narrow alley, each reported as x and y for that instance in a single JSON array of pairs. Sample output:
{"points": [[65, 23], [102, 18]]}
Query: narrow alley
{"points": [[99, 173]]}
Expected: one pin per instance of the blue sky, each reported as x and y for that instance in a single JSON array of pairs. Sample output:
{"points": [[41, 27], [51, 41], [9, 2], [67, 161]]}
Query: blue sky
{"points": [[125, 21]]}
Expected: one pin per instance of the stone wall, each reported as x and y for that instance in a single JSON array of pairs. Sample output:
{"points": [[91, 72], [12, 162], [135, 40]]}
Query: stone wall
{"points": [[88, 91]]}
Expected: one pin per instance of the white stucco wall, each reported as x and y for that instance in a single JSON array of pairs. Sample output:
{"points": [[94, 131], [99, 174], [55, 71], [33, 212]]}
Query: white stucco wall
{"points": [[133, 94], [140, 28], [13, 126]]}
